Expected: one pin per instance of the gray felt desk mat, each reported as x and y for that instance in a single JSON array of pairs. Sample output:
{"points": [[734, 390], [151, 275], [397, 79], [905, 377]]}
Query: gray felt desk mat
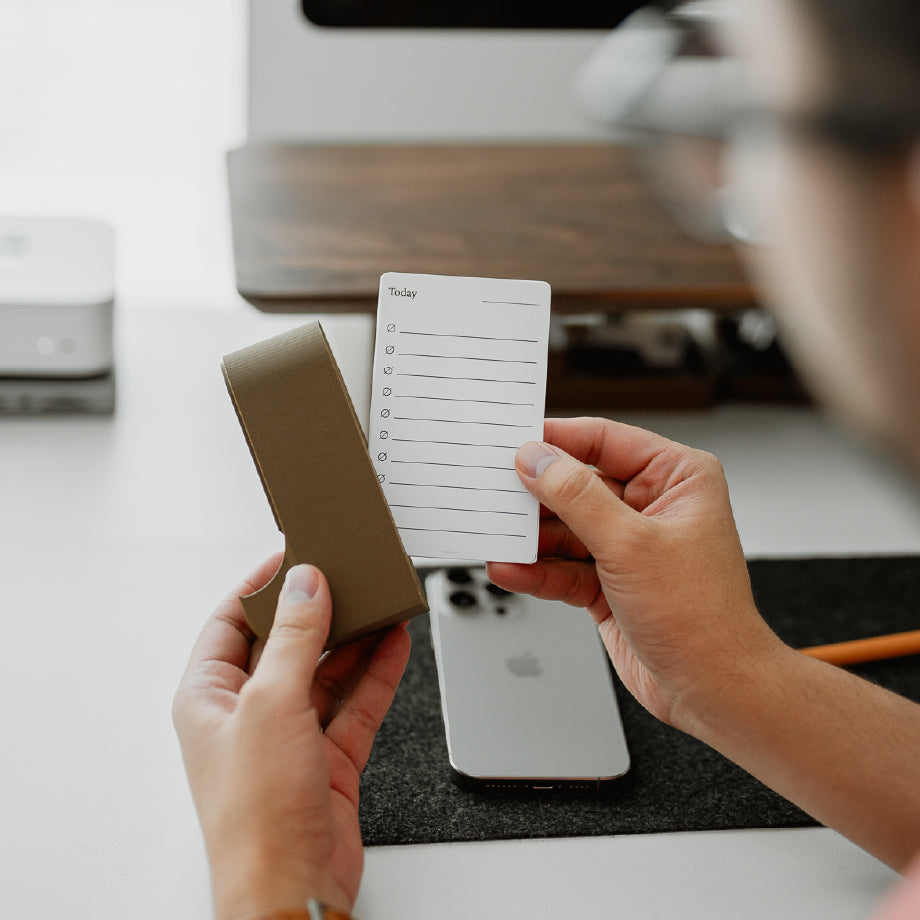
{"points": [[675, 783]]}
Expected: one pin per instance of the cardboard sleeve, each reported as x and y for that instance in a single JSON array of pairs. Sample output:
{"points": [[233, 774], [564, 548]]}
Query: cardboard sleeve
{"points": [[312, 457]]}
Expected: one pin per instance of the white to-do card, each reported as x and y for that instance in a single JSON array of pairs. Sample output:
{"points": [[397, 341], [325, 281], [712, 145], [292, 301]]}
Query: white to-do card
{"points": [[459, 384]]}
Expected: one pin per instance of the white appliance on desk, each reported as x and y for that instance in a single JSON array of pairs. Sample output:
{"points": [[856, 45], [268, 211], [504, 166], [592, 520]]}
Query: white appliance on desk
{"points": [[57, 300]]}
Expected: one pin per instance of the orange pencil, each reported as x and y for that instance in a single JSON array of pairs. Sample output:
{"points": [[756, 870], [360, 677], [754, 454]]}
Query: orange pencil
{"points": [[862, 650]]}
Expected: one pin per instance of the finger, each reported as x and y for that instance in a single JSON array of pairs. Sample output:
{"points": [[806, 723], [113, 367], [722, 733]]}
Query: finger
{"points": [[298, 634], [337, 673], [355, 725], [620, 451], [577, 495], [618, 488], [217, 666], [574, 583], [556, 539], [614, 485], [226, 635]]}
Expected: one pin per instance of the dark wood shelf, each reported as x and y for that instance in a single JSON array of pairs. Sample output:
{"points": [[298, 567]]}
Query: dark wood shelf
{"points": [[314, 226]]}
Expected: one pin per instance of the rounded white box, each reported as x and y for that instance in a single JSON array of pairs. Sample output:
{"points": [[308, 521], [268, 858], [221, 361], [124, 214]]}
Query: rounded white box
{"points": [[57, 296]]}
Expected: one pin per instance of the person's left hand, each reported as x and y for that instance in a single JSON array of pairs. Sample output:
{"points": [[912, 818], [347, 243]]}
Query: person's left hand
{"points": [[274, 740]]}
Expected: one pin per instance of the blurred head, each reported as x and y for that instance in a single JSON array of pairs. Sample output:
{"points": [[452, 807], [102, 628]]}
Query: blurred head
{"points": [[829, 160]]}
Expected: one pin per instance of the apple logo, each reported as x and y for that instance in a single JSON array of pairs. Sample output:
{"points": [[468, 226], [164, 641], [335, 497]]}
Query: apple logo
{"points": [[525, 665]]}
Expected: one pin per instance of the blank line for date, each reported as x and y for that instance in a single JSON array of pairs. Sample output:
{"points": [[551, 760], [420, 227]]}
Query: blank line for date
{"points": [[513, 303]]}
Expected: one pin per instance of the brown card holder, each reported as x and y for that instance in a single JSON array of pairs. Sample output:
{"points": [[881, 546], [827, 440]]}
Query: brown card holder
{"points": [[311, 455]]}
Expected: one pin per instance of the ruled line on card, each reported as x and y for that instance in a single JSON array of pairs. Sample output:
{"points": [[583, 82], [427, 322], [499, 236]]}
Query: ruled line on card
{"points": [[477, 379], [441, 485], [490, 402], [455, 443], [415, 354], [466, 466], [459, 335], [457, 421], [474, 533], [465, 510]]}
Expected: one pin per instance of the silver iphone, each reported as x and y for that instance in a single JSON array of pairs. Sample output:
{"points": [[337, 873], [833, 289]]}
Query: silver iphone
{"points": [[526, 687]]}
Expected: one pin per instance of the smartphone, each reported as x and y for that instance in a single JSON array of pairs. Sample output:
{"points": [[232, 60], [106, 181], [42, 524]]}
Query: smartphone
{"points": [[526, 687]]}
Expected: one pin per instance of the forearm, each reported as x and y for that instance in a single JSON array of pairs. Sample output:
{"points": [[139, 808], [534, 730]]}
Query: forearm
{"points": [[845, 750]]}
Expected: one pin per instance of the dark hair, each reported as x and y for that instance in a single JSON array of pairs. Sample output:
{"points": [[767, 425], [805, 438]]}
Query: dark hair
{"points": [[874, 50]]}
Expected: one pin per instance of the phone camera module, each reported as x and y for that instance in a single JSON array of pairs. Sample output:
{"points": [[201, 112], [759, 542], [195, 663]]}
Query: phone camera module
{"points": [[463, 599], [459, 576]]}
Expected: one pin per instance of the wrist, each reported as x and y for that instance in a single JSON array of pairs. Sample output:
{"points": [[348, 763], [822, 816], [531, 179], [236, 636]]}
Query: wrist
{"points": [[279, 906], [733, 686], [256, 895]]}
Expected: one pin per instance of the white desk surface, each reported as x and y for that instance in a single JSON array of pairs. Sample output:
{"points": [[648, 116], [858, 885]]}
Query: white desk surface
{"points": [[118, 536]]}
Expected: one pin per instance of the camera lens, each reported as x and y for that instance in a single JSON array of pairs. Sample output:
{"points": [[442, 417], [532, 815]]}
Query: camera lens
{"points": [[495, 591], [459, 576], [463, 599]]}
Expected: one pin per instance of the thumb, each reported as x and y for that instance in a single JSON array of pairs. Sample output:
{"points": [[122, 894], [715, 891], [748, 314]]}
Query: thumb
{"points": [[299, 632], [574, 492]]}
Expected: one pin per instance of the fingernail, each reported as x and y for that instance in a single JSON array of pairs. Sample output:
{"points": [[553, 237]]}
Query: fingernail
{"points": [[535, 456], [300, 585]]}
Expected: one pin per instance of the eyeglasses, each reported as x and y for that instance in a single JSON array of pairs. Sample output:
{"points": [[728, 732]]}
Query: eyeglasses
{"points": [[660, 78]]}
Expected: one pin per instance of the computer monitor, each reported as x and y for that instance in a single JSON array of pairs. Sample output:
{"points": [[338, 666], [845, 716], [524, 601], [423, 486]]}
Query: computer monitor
{"points": [[402, 70]]}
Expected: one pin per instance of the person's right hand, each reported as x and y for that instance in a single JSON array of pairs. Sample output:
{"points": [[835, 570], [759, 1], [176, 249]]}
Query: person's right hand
{"points": [[639, 530], [647, 542]]}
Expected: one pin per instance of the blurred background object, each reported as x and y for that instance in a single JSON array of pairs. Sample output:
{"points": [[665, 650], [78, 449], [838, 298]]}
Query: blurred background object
{"points": [[659, 78], [57, 301], [660, 82]]}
